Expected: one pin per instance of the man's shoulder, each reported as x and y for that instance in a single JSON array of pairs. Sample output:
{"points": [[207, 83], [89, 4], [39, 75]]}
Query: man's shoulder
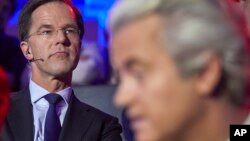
{"points": [[97, 112], [18, 95], [101, 122]]}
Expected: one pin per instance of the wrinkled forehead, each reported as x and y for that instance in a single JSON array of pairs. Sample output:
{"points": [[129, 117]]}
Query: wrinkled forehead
{"points": [[61, 13]]}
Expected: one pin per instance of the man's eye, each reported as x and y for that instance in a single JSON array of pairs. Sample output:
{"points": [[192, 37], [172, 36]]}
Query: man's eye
{"points": [[70, 31], [46, 32]]}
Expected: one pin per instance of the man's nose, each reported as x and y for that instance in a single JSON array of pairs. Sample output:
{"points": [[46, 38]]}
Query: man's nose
{"points": [[125, 95], [61, 36]]}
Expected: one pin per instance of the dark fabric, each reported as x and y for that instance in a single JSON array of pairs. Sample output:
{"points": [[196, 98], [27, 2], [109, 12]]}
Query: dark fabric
{"points": [[82, 122], [129, 135], [52, 127], [12, 59]]}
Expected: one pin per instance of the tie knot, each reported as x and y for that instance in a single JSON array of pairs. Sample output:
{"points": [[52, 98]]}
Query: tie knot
{"points": [[53, 98]]}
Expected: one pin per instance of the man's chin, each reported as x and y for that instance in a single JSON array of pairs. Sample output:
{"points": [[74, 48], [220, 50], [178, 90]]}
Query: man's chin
{"points": [[63, 75], [146, 136]]}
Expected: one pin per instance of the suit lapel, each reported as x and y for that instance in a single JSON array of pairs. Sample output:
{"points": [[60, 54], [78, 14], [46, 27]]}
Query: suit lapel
{"points": [[20, 117], [78, 119]]}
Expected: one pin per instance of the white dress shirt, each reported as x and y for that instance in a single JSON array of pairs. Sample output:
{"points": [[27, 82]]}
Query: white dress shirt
{"points": [[40, 107]]}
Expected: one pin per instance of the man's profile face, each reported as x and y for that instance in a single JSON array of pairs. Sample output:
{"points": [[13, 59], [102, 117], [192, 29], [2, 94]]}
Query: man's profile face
{"points": [[159, 102], [53, 38]]}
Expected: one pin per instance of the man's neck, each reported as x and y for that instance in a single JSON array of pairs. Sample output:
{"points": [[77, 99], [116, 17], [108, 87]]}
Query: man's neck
{"points": [[214, 123], [52, 84], [49, 82]]}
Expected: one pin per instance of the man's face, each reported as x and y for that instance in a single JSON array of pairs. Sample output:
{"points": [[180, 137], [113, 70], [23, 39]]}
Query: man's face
{"points": [[53, 38], [159, 102]]}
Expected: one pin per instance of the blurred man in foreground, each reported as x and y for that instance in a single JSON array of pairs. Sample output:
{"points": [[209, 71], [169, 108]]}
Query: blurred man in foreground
{"points": [[180, 65]]}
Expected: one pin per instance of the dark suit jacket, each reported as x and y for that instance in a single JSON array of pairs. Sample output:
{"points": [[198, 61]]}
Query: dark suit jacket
{"points": [[82, 122]]}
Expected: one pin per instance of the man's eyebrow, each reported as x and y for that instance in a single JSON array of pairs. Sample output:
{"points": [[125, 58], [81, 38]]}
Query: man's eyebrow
{"points": [[45, 26], [126, 66], [50, 26], [129, 64], [73, 25]]}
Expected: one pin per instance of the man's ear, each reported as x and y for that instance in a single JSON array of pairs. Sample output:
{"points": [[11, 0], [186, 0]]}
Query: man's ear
{"points": [[27, 52], [209, 77]]}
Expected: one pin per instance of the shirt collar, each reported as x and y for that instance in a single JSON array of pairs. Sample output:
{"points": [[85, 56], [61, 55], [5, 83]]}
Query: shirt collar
{"points": [[37, 92]]}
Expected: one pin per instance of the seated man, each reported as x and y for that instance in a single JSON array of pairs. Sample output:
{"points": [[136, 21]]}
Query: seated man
{"points": [[50, 32], [181, 69]]}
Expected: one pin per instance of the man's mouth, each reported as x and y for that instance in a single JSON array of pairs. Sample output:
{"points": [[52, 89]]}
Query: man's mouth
{"points": [[60, 53]]}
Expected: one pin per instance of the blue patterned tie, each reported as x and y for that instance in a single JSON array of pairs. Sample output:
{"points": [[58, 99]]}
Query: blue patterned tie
{"points": [[52, 122]]}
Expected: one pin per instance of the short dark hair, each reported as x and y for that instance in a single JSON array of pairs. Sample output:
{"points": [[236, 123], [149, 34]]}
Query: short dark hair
{"points": [[24, 21]]}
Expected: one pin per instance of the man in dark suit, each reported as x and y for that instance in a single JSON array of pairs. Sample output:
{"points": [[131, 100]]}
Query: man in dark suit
{"points": [[50, 33]]}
